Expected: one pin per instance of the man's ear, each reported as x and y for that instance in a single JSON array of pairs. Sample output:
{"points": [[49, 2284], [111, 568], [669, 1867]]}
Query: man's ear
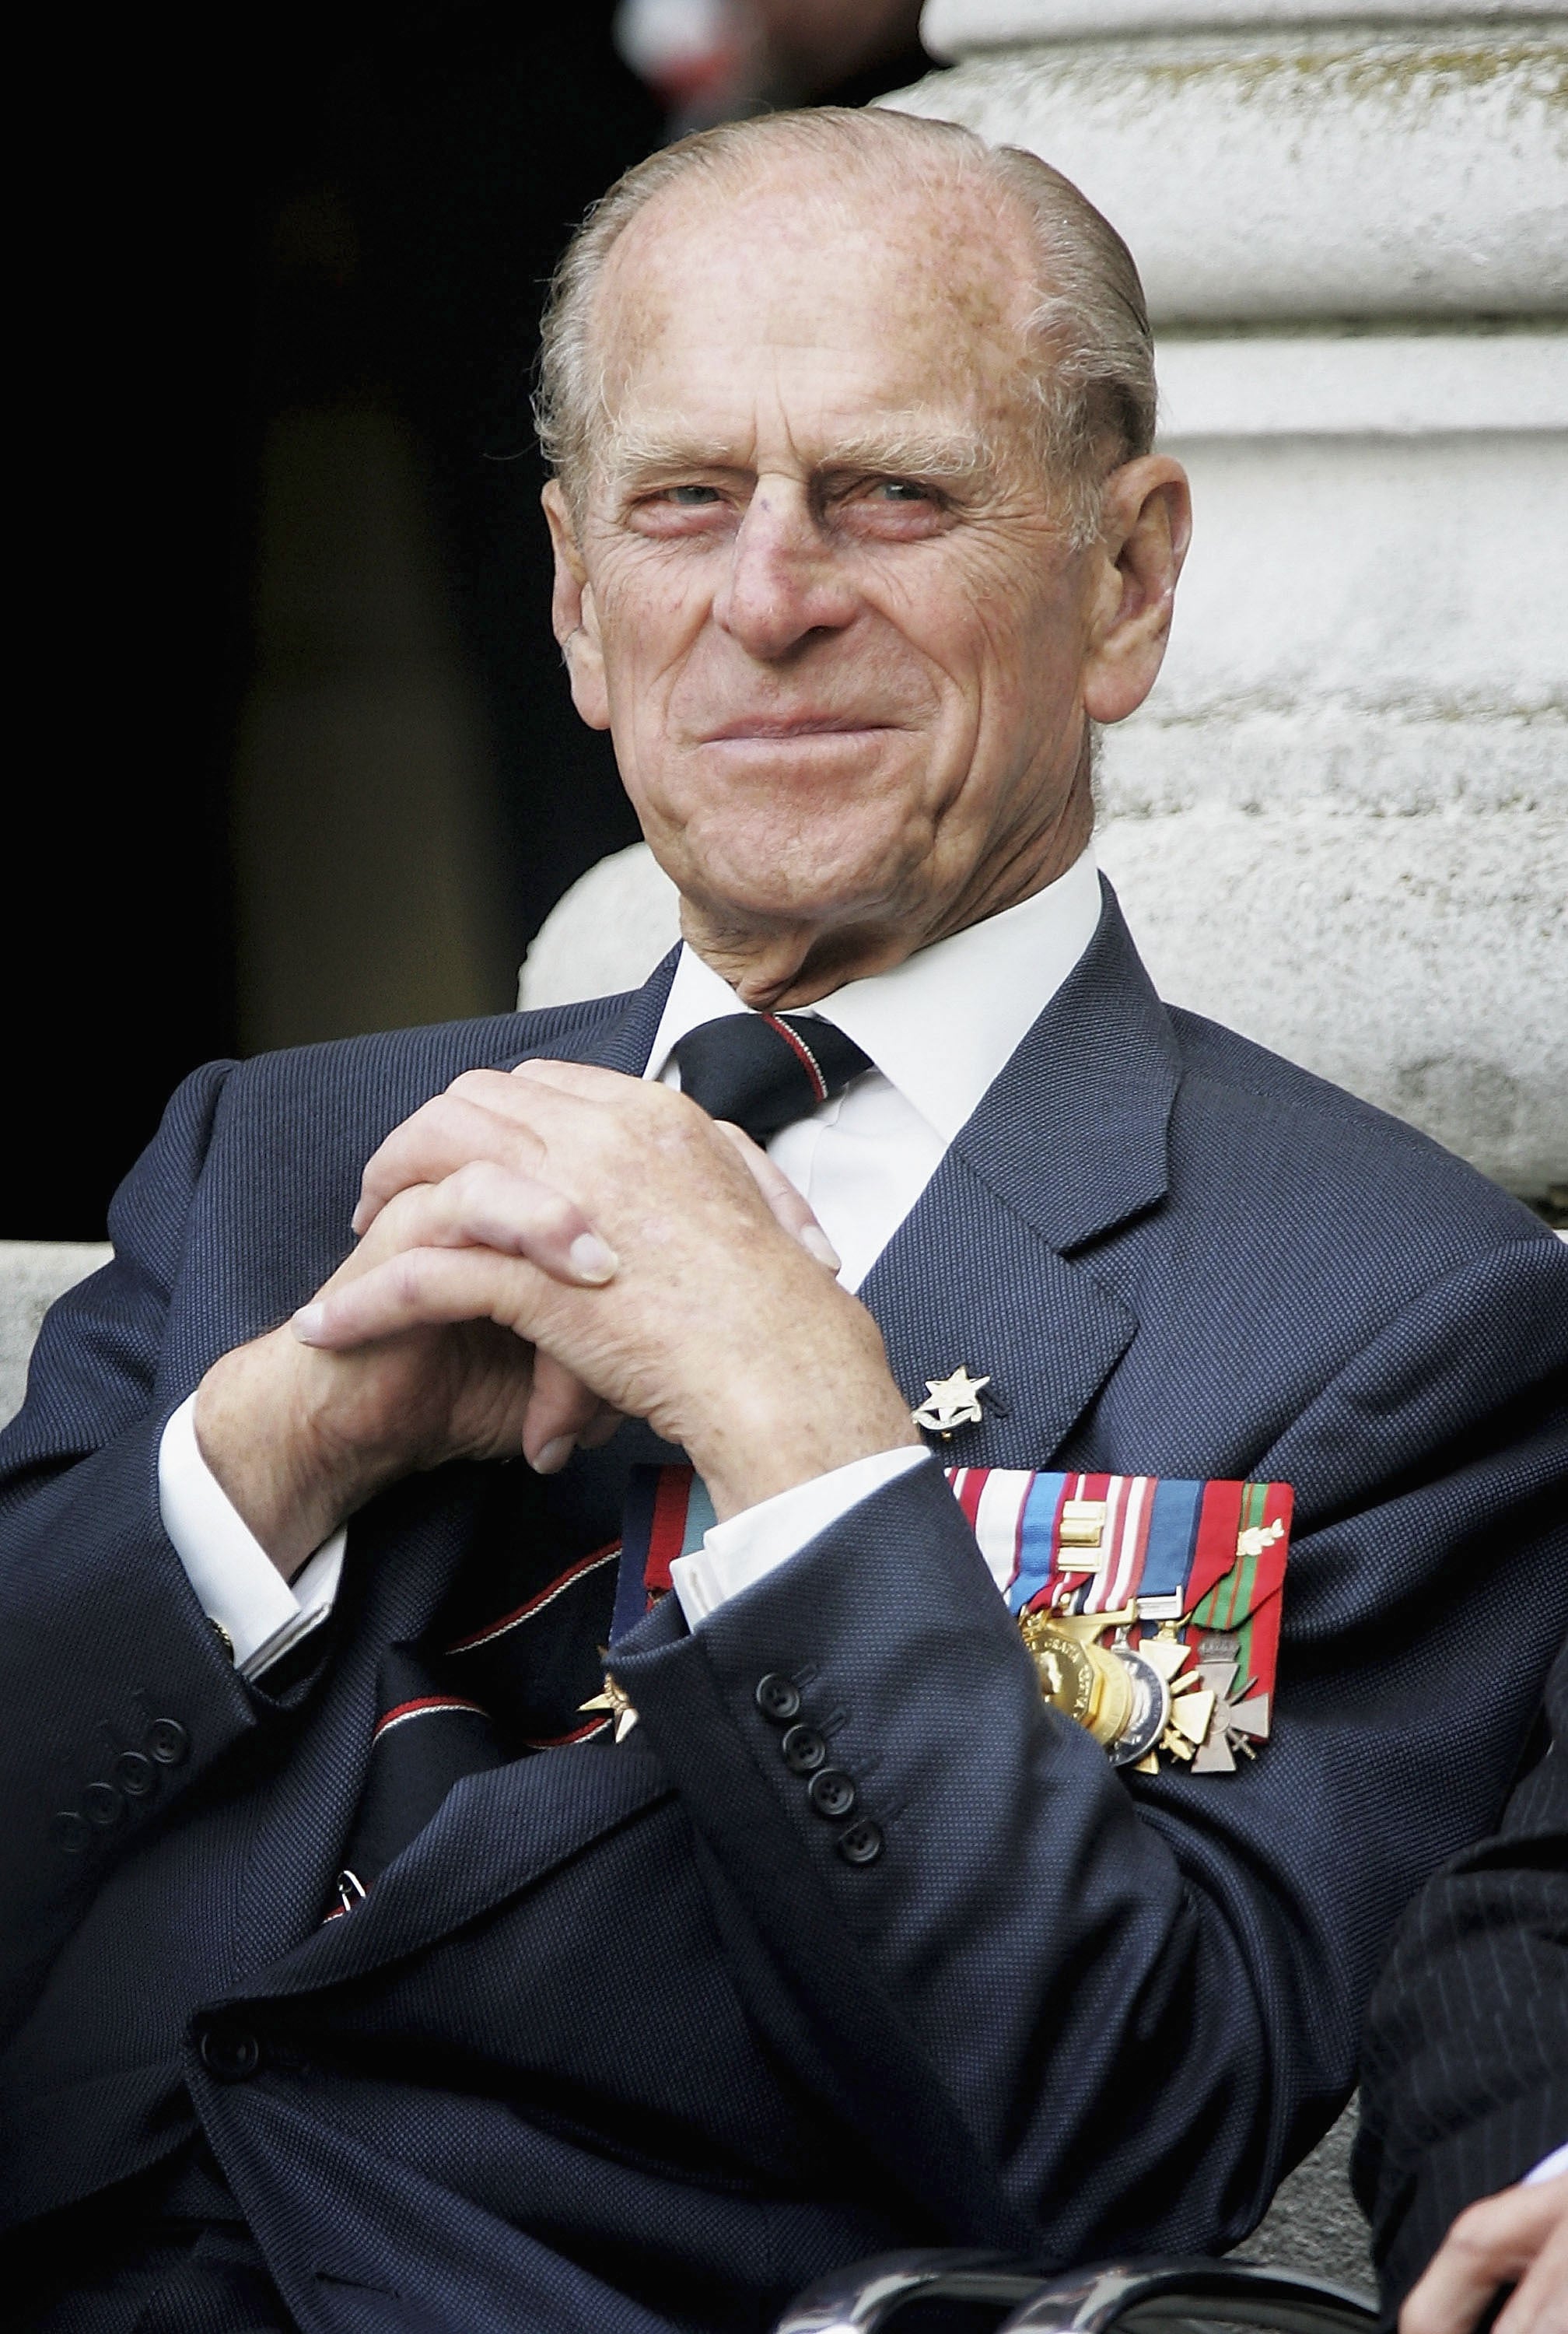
{"points": [[574, 614], [1145, 528]]}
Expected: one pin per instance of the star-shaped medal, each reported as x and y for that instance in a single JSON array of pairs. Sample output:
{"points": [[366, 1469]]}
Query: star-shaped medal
{"points": [[614, 1702], [954, 1402]]}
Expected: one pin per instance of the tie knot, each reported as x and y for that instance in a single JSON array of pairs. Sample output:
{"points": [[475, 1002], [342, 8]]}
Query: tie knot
{"points": [[765, 1070]]}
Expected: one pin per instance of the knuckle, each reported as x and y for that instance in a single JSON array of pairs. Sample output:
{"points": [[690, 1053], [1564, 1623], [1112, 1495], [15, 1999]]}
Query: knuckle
{"points": [[663, 1105], [416, 1129], [393, 1221], [471, 1183], [1476, 2232], [553, 1220], [409, 1275]]}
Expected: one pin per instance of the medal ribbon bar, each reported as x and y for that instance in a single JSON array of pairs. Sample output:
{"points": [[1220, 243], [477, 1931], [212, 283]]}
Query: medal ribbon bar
{"points": [[1189, 1575]]}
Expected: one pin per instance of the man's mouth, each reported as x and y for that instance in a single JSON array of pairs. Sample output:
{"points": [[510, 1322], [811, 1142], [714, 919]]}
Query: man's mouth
{"points": [[749, 729]]}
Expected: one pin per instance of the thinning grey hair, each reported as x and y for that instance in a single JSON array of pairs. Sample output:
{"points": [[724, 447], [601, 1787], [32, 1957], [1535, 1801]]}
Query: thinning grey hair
{"points": [[1089, 352]]}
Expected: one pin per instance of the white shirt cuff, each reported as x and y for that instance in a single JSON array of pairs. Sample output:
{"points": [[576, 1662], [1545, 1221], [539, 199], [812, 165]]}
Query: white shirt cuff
{"points": [[236, 1583], [737, 1554], [1551, 2167]]}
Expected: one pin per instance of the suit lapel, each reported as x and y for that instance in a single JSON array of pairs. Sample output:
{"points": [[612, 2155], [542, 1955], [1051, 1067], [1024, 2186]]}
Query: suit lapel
{"points": [[1069, 1141], [624, 1042], [496, 1833], [968, 1281]]}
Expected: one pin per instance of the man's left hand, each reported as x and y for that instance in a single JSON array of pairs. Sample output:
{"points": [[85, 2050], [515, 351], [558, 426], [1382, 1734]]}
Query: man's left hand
{"points": [[718, 1327]]}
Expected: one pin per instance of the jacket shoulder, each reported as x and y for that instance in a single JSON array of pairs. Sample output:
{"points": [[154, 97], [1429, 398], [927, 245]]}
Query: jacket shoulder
{"points": [[421, 1060], [1274, 1128]]}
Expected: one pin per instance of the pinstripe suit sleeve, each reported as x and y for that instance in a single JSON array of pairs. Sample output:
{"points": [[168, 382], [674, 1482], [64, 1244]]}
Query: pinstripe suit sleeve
{"points": [[1465, 2085]]}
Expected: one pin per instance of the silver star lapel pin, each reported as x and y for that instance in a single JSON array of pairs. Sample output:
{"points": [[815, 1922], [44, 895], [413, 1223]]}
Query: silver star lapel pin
{"points": [[953, 1401]]}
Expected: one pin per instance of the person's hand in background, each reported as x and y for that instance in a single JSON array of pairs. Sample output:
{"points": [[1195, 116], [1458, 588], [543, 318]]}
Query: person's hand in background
{"points": [[1518, 2237]]}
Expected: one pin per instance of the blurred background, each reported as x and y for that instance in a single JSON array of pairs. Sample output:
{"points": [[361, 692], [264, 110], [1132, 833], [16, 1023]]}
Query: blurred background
{"points": [[304, 763]]}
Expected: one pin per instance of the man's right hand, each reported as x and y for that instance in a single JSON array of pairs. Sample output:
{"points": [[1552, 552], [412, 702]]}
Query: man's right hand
{"points": [[299, 1437]]}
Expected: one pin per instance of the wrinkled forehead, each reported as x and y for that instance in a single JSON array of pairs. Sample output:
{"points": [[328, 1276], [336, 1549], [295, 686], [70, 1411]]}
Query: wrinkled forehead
{"points": [[828, 295]]}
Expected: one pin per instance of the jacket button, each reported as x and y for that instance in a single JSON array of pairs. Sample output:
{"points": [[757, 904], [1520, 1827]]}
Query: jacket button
{"points": [[861, 1843], [778, 1698], [831, 1793], [167, 1742], [69, 1832], [803, 1749], [135, 1775], [230, 2052], [102, 1805]]}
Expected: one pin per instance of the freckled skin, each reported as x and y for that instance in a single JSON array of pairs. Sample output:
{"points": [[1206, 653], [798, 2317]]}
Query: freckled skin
{"points": [[745, 557]]}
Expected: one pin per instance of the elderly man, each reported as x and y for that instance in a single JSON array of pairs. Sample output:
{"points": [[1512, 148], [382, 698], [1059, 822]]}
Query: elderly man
{"points": [[362, 1977]]}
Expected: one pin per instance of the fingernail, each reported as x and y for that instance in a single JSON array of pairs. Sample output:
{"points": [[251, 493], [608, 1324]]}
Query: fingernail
{"points": [[815, 1242], [555, 1455], [309, 1324], [591, 1260]]}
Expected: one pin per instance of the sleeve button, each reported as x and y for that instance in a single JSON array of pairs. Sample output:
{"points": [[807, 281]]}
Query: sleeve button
{"points": [[831, 1792], [230, 2052], [69, 1832], [135, 1775], [803, 1749], [167, 1742], [861, 1843], [102, 1805], [778, 1698]]}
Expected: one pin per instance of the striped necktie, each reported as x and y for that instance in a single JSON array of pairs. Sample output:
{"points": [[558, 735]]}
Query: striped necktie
{"points": [[765, 1070]]}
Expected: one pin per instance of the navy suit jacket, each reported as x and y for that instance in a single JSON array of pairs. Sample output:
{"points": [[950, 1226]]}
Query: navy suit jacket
{"points": [[618, 2041], [1465, 2085]]}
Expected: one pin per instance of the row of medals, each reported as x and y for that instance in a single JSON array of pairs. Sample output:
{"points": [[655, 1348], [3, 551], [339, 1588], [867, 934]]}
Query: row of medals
{"points": [[1135, 1700]]}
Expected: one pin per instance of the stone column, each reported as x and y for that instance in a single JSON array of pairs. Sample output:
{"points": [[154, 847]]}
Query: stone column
{"points": [[1341, 823]]}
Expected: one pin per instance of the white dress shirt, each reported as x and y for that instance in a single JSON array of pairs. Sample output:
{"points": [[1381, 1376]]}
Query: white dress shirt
{"points": [[940, 1029]]}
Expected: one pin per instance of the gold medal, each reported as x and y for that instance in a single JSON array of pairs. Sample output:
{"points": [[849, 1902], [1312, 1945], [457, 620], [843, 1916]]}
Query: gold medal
{"points": [[1069, 1680], [1082, 1680]]}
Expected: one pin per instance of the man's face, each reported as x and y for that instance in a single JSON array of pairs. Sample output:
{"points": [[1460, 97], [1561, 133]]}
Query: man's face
{"points": [[826, 599]]}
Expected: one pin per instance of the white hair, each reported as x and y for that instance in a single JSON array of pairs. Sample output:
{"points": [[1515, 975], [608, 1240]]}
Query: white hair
{"points": [[1088, 350]]}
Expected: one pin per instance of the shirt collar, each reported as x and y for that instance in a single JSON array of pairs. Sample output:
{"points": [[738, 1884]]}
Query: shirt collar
{"points": [[941, 1025]]}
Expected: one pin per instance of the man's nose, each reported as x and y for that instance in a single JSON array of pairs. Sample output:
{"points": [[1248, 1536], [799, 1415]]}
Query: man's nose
{"points": [[783, 581]]}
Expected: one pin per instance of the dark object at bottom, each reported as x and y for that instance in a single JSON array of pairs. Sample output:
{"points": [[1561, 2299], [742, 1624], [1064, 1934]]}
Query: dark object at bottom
{"points": [[985, 2293], [216, 2285]]}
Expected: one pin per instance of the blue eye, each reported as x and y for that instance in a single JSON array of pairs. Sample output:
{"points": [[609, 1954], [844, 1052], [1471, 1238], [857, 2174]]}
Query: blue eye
{"points": [[691, 496]]}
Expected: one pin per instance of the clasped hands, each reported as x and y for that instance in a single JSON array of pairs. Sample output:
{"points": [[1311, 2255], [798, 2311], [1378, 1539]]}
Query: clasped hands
{"points": [[540, 1253]]}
